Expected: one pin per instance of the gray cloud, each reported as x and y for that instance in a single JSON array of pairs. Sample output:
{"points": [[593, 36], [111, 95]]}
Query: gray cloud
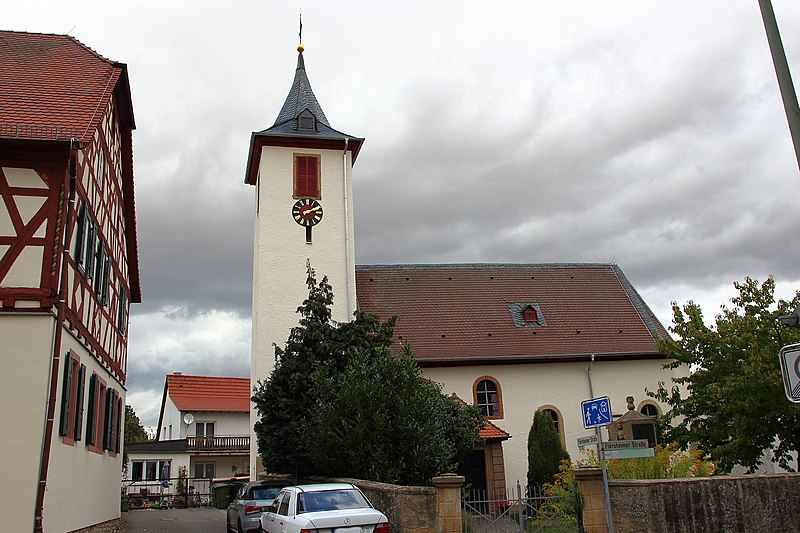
{"points": [[647, 134]]}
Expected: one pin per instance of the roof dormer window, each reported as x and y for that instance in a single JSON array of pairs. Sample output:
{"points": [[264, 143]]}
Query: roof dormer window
{"points": [[527, 315], [306, 121]]}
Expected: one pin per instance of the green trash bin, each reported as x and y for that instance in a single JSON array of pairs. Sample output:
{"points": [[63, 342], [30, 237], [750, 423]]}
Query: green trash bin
{"points": [[222, 495]]}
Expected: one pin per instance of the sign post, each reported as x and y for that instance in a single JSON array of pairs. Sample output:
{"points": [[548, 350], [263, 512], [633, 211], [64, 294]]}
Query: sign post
{"points": [[596, 413], [790, 368]]}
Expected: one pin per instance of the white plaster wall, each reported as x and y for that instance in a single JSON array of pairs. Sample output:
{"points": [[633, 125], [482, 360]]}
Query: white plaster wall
{"points": [[174, 417], [226, 424], [27, 342], [82, 486], [281, 251], [526, 388]]}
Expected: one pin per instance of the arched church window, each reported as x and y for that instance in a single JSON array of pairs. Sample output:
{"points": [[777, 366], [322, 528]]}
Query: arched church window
{"points": [[487, 397]]}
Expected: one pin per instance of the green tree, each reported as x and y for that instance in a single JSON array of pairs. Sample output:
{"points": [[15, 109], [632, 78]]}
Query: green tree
{"points": [[387, 423], [732, 403], [134, 433], [338, 403], [287, 398], [545, 451]]}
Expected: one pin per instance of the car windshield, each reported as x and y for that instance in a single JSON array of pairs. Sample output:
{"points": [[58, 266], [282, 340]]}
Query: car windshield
{"points": [[265, 493], [330, 500]]}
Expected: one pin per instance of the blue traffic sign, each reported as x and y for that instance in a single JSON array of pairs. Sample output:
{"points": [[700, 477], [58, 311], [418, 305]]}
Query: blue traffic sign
{"points": [[596, 412]]}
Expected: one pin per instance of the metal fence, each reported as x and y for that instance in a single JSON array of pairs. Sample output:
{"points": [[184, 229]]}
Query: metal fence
{"points": [[530, 510], [170, 492]]}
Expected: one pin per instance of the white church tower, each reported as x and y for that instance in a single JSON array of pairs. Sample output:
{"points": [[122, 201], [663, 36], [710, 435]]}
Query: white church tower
{"points": [[301, 168]]}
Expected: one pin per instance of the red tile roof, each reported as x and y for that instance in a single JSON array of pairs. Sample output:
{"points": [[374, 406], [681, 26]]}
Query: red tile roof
{"points": [[208, 393], [52, 82], [490, 431], [462, 314]]}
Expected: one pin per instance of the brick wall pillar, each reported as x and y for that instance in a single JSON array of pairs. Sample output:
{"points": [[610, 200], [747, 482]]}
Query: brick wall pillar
{"points": [[448, 502], [590, 483]]}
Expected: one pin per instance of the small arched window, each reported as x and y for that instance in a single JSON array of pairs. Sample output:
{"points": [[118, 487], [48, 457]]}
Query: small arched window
{"points": [[530, 315], [488, 398], [648, 409], [555, 414]]}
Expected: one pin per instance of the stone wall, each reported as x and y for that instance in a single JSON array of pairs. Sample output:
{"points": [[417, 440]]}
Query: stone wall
{"points": [[740, 504], [736, 504]]}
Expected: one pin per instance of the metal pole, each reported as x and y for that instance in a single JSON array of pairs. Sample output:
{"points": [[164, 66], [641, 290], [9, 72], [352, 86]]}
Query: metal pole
{"points": [[602, 454], [784, 76]]}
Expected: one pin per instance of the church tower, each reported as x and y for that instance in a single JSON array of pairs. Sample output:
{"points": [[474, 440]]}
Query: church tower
{"points": [[301, 169]]}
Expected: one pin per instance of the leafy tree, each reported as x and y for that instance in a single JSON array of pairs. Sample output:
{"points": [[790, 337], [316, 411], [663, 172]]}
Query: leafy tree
{"points": [[387, 423], [545, 451], [732, 403], [338, 403], [134, 433], [287, 398]]}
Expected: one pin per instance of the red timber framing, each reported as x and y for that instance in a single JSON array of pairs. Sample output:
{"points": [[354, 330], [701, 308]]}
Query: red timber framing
{"points": [[102, 169]]}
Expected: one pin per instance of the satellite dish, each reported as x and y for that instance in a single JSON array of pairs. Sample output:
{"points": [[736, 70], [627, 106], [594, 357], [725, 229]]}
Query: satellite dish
{"points": [[188, 418]]}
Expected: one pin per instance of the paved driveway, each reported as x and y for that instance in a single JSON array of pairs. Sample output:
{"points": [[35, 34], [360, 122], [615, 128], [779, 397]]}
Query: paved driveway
{"points": [[193, 520]]}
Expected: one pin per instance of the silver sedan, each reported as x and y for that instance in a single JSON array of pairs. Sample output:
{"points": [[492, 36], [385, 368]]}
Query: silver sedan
{"points": [[323, 508], [251, 500]]}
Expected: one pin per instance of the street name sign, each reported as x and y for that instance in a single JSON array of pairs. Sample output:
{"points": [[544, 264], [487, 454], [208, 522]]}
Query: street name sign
{"points": [[633, 453], [596, 412], [625, 444], [587, 441], [790, 368]]}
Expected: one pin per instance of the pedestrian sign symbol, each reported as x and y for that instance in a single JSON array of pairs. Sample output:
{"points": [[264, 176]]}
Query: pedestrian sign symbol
{"points": [[790, 368], [596, 412]]}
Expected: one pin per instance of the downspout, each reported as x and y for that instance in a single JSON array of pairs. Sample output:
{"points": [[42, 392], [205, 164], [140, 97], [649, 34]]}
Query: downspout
{"points": [[346, 234], [38, 526]]}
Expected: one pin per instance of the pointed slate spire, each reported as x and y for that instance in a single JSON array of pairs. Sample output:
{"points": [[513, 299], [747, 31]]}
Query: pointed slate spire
{"points": [[300, 96]]}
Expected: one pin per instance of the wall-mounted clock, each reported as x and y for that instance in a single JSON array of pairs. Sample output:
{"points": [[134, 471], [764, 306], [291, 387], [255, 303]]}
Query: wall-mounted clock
{"points": [[307, 212]]}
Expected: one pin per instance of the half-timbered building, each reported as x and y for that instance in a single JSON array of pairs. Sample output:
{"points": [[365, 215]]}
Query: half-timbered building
{"points": [[68, 274]]}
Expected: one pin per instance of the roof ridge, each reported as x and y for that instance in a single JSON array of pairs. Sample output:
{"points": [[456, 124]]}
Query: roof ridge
{"points": [[433, 266], [71, 38]]}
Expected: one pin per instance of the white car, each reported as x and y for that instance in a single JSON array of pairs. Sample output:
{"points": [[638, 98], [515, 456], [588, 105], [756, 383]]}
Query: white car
{"points": [[323, 508]]}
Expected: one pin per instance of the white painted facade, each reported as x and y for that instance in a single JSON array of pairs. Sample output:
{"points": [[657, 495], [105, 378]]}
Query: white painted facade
{"points": [[281, 253], [525, 388]]}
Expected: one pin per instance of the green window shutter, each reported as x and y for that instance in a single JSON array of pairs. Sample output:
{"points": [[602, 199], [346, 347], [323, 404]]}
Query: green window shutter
{"points": [[107, 419], [79, 403], [119, 425], [90, 417], [106, 274], [66, 389], [81, 235]]}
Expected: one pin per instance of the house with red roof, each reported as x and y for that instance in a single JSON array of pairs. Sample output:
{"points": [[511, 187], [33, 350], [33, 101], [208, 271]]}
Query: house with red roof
{"points": [[203, 433], [510, 338], [69, 271]]}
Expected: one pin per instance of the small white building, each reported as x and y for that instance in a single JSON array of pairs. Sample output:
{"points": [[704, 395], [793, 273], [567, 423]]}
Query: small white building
{"points": [[203, 433]]}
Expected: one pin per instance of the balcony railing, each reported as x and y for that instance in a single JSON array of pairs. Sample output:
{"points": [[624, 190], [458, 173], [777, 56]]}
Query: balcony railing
{"points": [[217, 444]]}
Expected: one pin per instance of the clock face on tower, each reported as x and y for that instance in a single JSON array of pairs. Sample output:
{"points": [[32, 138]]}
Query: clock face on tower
{"points": [[307, 212]]}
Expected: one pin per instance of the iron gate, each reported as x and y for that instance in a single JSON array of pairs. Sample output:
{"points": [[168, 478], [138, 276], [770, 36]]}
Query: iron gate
{"points": [[529, 511]]}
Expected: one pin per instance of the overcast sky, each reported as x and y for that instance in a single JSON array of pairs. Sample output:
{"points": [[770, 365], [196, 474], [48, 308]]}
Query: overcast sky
{"points": [[646, 133]]}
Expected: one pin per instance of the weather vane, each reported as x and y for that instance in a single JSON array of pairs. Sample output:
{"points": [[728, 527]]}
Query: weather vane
{"points": [[300, 46]]}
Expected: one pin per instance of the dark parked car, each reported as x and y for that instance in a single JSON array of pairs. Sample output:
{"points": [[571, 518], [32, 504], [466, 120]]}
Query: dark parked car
{"points": [[251, 500]]}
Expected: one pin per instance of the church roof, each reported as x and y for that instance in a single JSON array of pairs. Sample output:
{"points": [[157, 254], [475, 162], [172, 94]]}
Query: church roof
{"points": [[464, 313], [300, 97], [287, 130]]}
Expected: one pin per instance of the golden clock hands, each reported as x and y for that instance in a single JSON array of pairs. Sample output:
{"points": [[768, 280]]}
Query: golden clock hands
{"points": [[316, 208]]}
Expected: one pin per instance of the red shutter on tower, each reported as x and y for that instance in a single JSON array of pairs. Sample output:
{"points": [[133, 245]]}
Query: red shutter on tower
{"points": [[306, 176]]}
